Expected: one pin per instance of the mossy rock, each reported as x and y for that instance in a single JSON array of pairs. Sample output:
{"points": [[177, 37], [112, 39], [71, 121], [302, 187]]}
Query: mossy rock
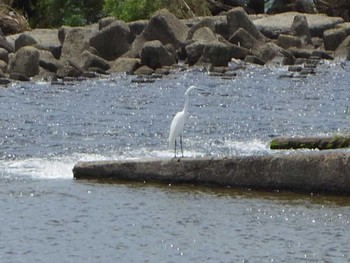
{"points": [[321, 143], [189, 8]]}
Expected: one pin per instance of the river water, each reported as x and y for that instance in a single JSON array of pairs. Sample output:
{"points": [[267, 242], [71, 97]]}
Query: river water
{"points": [[46, 216]]}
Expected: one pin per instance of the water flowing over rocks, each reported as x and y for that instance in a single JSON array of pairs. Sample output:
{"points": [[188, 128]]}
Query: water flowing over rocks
{"points": [[141, 47]]}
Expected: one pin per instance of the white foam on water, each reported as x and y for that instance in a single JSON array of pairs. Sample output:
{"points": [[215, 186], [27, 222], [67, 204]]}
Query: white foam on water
{"points": [[44, 168], [246, 148], [60, 167]]}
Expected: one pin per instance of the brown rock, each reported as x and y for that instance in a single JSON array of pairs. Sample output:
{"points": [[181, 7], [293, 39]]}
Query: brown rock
{"points": [[127, 65], [25, 61]]}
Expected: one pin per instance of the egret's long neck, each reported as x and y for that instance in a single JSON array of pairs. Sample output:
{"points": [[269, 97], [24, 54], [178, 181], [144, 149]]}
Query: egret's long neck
{"points": [[186, 104]]}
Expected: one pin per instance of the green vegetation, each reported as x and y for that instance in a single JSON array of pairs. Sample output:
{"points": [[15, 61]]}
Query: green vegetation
{"points": [[54, 13], [188, 8], [130, 10]]}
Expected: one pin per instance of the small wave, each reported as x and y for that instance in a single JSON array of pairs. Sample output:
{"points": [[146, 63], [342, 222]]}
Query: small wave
{"points": [[43, 168], [253, 147], [60, 167]]}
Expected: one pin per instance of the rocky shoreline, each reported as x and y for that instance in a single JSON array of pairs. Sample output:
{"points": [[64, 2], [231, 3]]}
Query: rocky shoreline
{"points": [[152, 48]]}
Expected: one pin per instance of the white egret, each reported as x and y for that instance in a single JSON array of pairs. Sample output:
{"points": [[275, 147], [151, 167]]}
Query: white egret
{"points": [[177, 125]]}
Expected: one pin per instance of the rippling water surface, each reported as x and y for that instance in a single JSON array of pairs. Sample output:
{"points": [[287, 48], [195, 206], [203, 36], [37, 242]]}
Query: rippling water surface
{"points": [[49, 217]]}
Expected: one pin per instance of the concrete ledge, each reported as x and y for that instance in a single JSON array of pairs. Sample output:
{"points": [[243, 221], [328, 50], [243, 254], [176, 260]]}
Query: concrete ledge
{"points": [[314, 171]]}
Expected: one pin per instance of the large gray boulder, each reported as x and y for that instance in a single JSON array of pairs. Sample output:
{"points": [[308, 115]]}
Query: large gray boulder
{"points": [[194, 52], [219, 23], [88, 60], [44, 39], [163, 26], [204, 35], [155, 55], [24, 40], [136, 28], [219, 54], [124, 65], [273, 54], [106, 21], [205, 22], [332, 38], [238, 18], [112, 41], [25, 61], [300, 29], [48, 62], [75, 41], [242, 38]]}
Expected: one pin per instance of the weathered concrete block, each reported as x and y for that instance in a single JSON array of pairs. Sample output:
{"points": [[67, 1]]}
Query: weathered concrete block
{"points": [[314, 171]]}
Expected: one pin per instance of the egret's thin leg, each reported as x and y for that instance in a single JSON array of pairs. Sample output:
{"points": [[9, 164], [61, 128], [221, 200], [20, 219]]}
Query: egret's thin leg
{"points": [[175, 150], [182, 152]]}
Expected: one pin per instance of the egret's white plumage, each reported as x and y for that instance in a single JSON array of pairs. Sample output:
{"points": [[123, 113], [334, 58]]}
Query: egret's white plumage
{"points": [[178, 123]]}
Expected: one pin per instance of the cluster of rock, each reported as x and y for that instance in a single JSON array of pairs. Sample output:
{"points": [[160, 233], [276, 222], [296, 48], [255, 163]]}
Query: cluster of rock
{"points": [[152, 46]]}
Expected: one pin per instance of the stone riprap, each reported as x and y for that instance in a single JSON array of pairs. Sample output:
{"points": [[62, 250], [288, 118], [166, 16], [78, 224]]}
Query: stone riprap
{"points": [[143, 47], [327, 171]]}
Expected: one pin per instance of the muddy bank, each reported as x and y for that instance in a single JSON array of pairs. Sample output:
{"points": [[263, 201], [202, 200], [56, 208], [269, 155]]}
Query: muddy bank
{"points": [[306, 172]]}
